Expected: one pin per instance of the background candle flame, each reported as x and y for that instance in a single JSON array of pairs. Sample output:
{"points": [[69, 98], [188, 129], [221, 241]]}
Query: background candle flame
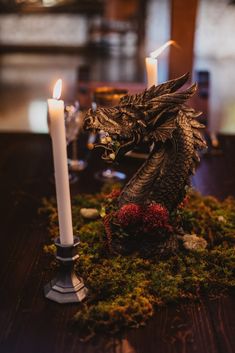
{"points": [[57, 89], [158, 51]]}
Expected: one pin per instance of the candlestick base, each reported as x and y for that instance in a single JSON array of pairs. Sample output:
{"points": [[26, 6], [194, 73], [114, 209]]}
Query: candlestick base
{"points": [[66, 287]]}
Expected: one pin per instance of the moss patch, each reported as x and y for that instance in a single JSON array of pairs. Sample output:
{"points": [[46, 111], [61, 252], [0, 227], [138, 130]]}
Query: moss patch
{"points": [[130, 273]]}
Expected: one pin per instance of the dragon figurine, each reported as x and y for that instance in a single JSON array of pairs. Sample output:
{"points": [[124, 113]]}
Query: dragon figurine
{"points": [[159, 117]]}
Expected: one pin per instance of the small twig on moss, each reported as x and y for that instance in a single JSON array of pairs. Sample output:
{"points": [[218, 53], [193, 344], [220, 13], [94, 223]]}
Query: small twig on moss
{"points": [[108, 230]]}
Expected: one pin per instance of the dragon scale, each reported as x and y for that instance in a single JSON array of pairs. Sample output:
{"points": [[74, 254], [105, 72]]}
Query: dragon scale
{"points": [[140, 186]]}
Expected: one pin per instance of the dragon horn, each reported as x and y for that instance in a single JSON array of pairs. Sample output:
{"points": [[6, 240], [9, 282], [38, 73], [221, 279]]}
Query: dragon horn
{"points": [[171, 99], [167, 87], [173, 85]]}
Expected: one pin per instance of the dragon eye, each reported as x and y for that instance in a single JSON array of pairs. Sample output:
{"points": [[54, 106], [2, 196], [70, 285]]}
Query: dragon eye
{"points": [[88, 121], [122, 116]]}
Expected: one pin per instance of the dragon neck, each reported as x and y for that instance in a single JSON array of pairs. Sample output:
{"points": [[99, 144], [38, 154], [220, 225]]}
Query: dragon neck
{"points": [[179, 164], [139, 187], [163, 177]]}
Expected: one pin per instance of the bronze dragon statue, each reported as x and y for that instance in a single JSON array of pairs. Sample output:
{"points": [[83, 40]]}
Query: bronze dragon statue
{"points": [[158, 116]]}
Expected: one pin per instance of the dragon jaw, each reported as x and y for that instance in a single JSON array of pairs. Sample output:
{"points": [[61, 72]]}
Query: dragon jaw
{"points": [[118, 132]]}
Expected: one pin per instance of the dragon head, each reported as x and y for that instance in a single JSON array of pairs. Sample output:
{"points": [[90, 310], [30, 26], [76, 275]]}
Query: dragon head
{"points": [[120, 129], [146, 117]]}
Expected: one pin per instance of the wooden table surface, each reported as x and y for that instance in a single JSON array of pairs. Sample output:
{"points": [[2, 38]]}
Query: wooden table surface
{"points": [[31, 324]]}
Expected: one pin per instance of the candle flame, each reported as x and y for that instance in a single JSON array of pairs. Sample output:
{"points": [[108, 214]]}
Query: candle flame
{"points": [[57, 89], [159, 51]]}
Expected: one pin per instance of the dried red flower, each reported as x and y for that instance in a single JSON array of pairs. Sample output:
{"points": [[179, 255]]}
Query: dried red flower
{"points": [[155, 216], [113, 194], [129, 214]]}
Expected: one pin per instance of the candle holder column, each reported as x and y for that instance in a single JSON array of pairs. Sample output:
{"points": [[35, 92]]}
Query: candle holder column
{"points": [[66, 287]]}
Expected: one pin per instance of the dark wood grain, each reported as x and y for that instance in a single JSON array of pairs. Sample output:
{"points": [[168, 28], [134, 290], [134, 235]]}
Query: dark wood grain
{"points": [[30, 323]]}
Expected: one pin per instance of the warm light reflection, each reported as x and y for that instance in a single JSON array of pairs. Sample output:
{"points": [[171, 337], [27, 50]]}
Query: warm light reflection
{"points": [[159, 51], [57, 89], [37, 117], [48, 3]]}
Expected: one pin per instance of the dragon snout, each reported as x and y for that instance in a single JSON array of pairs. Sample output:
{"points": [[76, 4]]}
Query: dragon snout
{"points": [[89, 120]]}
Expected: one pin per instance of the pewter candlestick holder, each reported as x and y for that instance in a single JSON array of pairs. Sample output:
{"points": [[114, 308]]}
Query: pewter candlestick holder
{"points": [[66, 287]]}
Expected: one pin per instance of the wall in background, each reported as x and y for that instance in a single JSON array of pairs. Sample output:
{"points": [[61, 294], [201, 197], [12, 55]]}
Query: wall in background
{"points": [[215, 52], [215, 28], [43, 29]]}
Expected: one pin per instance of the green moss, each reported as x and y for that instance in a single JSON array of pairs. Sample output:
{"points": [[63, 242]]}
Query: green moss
{"points": [[126, 287], [209, 218]]}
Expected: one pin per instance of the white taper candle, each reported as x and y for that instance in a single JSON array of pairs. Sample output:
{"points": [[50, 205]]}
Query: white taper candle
{"points": [[151, 64], [58, 136], [152, 71]]}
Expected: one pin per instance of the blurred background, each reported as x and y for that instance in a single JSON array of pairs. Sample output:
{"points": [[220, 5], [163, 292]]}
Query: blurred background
{"points": [[84, 41]]}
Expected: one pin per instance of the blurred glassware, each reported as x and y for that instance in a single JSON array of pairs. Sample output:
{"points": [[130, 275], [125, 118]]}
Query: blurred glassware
{"points": [[73, 125], [92, 135], [108, 97]]}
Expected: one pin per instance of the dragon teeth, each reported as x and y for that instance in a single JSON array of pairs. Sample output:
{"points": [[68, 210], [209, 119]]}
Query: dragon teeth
{"points": [[102, 132], [104, 140], [112, 156]]}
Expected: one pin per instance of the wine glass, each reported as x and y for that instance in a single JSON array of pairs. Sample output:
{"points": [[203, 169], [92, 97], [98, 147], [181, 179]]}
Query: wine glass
{"points": [[108, 97], [73, 124]]}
